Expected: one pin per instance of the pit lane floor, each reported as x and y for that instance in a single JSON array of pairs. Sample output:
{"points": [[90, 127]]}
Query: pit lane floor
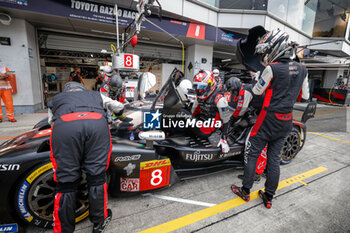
{"points": [[318, 203]]}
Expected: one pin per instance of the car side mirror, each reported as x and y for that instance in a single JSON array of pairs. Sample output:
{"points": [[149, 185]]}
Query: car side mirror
{"points": [[150, 136]]}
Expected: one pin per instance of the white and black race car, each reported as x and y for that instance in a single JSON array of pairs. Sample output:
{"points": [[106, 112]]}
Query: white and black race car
{"points": [[141, 160]]}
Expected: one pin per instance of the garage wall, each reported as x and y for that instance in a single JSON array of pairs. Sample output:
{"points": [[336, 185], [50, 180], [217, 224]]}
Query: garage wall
{"points": [[73, 43], [21, 58], [34, 61]]}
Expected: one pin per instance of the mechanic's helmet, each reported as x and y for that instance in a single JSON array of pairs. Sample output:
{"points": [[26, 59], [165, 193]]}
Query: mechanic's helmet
{"points": [[272, 45], [108, 70], [233, 85], [216, 72], [204, 84], [116, 83], [73, 86]]}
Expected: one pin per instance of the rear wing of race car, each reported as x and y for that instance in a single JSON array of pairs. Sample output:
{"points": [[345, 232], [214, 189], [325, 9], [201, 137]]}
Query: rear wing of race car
{"points": [[309, 111]]}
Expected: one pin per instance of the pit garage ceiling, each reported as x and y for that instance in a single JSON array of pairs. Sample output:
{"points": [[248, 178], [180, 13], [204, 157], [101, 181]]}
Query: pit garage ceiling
{"points": [[101, 36]]}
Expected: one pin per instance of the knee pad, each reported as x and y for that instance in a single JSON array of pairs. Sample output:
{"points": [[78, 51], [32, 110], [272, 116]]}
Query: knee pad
{"points": [[67, 187], [96, 180]]}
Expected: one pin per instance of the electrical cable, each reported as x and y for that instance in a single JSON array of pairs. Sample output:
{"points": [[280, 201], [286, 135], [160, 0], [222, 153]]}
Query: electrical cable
{"points": [[182, 44]]}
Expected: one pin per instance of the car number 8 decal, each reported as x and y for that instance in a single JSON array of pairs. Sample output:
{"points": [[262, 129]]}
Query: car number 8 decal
{"points": [[128, 61], [157, 176], [154, 174]]}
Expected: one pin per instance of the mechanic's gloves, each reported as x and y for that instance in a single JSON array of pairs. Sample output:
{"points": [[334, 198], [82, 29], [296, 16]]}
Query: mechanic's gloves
{"points": [[224, 145]]}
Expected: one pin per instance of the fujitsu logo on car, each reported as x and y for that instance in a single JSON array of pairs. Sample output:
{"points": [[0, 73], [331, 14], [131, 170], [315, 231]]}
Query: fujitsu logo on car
{"points": [[9, 167], [197, 156]]}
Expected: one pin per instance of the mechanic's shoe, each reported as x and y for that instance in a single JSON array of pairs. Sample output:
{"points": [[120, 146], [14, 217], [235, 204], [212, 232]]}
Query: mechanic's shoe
{"points": [[257, 177], [13, 120], [240, 192], [101, 227], [266, 199]]}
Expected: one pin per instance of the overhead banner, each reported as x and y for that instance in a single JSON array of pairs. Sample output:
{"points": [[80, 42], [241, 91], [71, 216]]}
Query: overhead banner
{"points": [[102, 13]]}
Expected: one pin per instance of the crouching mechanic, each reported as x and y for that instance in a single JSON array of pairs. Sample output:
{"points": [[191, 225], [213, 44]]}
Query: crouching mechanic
{"points": [[114, 89], [80, 139], [240, 99], [281, 80], [210, 104]]}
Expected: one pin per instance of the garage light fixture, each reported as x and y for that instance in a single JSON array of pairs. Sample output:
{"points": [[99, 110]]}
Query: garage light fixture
{"points": [[226, 60], [5, 19]]}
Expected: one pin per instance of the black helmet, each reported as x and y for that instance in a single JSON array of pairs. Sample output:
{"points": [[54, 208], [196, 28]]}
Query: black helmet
{"points": [[73, 86], [116, 83], [233, 84]]}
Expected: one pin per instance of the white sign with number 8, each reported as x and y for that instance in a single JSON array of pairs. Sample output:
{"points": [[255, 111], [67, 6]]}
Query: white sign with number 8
{"points": [[128, 61], [156, 174]]}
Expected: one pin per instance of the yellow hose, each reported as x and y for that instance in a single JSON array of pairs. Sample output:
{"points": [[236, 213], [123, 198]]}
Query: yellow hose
{"points": [[113, 48], [183, 56]]}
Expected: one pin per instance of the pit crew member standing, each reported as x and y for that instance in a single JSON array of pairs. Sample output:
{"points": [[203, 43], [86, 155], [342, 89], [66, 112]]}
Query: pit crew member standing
{"points": [[281, 81], [80, 139], [114, 89], [75, 76], [210, 104], [6, 95]]}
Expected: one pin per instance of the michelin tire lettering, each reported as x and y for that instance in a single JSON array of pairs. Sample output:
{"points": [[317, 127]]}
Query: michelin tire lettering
{"points": [[21, 201]]}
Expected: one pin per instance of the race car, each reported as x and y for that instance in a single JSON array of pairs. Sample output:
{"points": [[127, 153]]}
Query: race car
{"points": [[142, 160]]}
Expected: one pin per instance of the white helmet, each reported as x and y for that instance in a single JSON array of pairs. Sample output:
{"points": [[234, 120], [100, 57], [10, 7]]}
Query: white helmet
{"points": [[272, 45], [216, 72], [108, 70], [185, 85], [184, 90]]}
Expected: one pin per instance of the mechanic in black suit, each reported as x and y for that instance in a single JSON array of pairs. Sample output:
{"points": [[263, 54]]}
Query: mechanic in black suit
{"points": [[282, 81], [80, 139]]}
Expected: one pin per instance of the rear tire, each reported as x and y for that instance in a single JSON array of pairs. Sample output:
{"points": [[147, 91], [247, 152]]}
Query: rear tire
{"points": [[35, 194], [291, 146]]}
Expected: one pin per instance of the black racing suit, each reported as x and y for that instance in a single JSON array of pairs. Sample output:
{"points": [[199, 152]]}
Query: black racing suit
{"points": [[281, 82], [80, 139], [214, 107], [120, 95], [240, 103], [75, 76]]}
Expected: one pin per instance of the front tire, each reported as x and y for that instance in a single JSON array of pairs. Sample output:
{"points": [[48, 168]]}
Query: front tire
{"points": [[35, 194], [292, 146]]}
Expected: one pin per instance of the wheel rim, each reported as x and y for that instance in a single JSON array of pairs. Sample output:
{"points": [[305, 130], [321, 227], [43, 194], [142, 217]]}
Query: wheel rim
{"points": [[291, 146], [41, 196]]}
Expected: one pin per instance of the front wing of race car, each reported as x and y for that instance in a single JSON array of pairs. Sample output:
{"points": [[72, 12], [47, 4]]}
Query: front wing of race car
{"points": [[26, 177]]}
